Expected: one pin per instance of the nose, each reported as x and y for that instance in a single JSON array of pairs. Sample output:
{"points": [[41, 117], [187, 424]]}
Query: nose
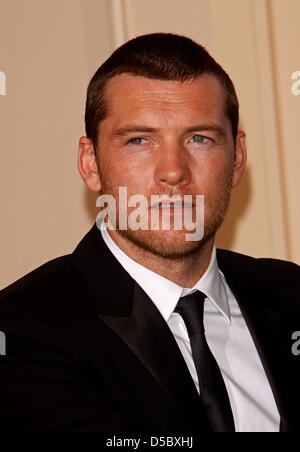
{"points": [[172, 167]]}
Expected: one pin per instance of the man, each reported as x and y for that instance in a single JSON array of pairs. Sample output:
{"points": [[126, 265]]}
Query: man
{"points": [[111, 338]]}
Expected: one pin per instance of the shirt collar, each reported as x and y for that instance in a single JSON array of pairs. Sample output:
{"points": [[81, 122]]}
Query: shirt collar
{"points": [[164, 293], [211, 283]]}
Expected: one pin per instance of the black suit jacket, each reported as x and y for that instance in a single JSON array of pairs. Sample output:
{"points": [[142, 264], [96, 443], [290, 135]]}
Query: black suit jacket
{"points": [[87, 350]]}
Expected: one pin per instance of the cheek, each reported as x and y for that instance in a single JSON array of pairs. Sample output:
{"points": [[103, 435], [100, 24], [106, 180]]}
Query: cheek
{"points": [[122, 172], [214, 174]]}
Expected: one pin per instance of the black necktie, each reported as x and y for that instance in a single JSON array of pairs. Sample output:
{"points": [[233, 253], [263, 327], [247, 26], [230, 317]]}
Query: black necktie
{"points": [[212, 388]]}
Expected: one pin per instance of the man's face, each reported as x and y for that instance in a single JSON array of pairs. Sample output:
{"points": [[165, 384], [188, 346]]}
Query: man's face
{"points": [[167, 137]]}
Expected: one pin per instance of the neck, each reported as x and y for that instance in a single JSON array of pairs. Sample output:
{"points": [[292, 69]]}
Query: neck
{"points": [[184, 271]]}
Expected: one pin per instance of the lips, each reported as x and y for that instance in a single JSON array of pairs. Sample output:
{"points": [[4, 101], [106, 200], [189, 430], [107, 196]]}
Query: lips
{"points": [[172, 204]]}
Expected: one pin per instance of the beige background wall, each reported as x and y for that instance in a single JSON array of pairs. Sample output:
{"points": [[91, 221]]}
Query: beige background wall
{"points": [[49, 49]]}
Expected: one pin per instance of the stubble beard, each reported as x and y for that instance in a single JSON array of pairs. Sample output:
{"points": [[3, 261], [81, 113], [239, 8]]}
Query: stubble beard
{"points": [[173, 244]]}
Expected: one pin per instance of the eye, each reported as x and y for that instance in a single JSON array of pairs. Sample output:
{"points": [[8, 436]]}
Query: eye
{"points": [[137, 140], [200, 139]]}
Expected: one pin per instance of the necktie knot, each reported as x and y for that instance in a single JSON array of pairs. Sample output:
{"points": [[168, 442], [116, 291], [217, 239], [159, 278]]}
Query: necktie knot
{"points": [[191, 308]]}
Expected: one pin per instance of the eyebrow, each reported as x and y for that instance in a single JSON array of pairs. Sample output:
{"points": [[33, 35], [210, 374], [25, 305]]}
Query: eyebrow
{"points": [[220, 131], [123, 131]]}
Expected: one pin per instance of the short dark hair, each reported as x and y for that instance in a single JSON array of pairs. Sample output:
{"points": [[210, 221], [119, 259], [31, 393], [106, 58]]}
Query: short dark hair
{"points": [[162, 56]]}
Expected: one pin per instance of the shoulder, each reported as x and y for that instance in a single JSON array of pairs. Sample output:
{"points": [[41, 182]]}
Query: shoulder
{"points": [[36, 291], [49, 271], [283, 273], [34, 313], [261, 261]]}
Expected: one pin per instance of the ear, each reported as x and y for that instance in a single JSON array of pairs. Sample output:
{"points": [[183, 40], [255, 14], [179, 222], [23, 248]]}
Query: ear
{"points": [[240, 158], [87, 164]]}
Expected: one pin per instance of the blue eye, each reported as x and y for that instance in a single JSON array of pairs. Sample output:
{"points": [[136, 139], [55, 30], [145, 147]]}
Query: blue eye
{"points": [[136, 140], [199, 139]]}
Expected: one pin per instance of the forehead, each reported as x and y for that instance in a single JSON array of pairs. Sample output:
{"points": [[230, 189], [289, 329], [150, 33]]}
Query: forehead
{"points": [[132, 96]]}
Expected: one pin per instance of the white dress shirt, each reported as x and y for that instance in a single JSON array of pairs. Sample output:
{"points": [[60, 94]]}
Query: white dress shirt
{"points": [[250, 395]]}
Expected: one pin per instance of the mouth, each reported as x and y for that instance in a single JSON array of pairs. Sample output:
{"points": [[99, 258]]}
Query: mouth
{"points": [[166, 205], [171, 209]]}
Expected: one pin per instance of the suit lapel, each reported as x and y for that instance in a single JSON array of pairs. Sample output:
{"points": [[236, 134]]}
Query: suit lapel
{"points": [[126, 310], [260, 308], [149, 338]]}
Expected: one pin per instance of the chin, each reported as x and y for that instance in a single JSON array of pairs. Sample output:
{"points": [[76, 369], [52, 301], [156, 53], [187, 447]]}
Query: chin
{"points": [[167, 244]]}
